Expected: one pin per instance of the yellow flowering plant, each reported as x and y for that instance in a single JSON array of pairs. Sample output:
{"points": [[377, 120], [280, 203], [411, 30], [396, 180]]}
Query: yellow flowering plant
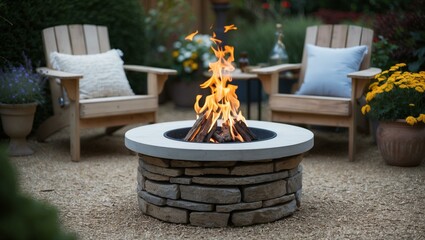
{"points": [[189, 57], [397, 94]]}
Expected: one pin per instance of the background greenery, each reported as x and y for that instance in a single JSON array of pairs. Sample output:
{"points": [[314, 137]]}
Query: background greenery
{"points": [[23, 217]]}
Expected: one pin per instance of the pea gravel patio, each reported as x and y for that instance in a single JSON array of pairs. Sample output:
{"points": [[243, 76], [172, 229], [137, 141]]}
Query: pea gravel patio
{"points": [[97, 197]]}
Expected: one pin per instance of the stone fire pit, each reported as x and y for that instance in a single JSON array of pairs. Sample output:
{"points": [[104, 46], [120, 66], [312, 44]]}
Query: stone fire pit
{"points": [[218, 185]]}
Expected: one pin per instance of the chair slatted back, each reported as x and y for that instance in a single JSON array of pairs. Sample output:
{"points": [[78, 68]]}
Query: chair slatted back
{"points": [[76, 40], [337, 36]]}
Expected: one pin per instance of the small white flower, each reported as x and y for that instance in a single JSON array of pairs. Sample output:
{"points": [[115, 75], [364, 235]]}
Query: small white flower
{"points": [[177, 44], [162, 48]]}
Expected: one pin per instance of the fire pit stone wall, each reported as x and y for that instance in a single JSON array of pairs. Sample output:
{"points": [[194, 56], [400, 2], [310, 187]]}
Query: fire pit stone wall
{"points": [[219, 193]]}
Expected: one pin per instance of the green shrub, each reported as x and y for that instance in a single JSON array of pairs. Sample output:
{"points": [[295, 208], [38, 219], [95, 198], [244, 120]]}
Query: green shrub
{"points": [[21, 216]]}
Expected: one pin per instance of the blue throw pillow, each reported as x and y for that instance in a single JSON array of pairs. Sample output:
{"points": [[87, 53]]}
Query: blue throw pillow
{"points": [[327, 69]]}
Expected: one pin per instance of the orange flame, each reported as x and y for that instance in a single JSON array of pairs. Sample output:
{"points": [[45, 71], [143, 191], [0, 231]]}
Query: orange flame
{"points": [[222, 102], [190, 36]]}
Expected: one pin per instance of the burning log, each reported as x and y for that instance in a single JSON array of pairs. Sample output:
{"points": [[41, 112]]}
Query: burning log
{"points": [[244, 131], [199, 132]]}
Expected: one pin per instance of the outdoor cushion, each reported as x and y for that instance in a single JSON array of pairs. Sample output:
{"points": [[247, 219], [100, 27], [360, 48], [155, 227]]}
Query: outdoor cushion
{"points": [[327, 69], [103, 73]]}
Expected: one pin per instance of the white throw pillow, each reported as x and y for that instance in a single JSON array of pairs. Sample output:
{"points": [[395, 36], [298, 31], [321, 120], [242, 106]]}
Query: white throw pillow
{"points": [[327, 69], [103, 73]]}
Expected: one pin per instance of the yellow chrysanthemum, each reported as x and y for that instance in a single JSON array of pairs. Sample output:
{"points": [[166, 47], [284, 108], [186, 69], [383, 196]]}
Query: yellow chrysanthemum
{"points": [[194, 66], [365, 109], [175, 54], [411, 120], [370, 96], [374, 84], [389, 87], [419, 89], [421, 118]]}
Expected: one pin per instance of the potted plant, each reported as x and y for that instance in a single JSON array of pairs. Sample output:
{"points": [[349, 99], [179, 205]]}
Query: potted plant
{"points": [[21, 89], [397, 100], [190, 59]]}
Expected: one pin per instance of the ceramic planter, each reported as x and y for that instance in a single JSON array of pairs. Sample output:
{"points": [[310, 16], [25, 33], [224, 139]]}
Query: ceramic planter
{"points": [[401, 144], [17, 120]]}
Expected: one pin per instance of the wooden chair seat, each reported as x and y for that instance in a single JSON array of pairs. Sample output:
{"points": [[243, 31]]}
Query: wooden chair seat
{"points": [[111, 106], [314, 104]]}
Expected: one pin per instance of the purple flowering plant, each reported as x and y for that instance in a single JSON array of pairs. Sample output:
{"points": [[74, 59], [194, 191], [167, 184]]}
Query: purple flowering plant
{"points": [[21, 84]]}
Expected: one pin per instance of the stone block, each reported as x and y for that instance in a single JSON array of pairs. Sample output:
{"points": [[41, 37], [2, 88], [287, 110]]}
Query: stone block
{"points": [[294, 183], [206, 194], [152, 198], [263, 215], [160, 162], [219, 164], [264, 191], [240, 180], [298, 195], [166, 190], [238, 206], [287, 163], [206, 171], [279, 200], [140, 180], [181, 180], [172, 172], [252, 169], [168, 214], [190, 205], [209, 219], [183, 164], [153, 176]]}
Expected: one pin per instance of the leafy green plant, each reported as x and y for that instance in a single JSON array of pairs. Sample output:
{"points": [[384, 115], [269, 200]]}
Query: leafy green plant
{"points": [[397, 94], [23, 217], [381, 53], [21, 84]]}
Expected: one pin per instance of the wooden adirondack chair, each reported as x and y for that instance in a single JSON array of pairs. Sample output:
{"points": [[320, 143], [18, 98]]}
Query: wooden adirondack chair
{"points": [[322, 110], [111, 112]]}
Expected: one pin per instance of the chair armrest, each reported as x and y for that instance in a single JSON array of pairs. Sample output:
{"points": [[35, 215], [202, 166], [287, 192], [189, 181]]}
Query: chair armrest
{"points": [[360, 79], [156, 76], [155, 70], [70, 81], [365, 74], [48, 72], [277, 68], [269, 76]]}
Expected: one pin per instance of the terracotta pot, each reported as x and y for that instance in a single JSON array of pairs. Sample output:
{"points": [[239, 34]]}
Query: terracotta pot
{"points": [[401, 144], [17, 120]]}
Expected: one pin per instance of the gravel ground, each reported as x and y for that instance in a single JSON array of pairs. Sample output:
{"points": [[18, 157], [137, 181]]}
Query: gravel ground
{"points": [[96, 197]]}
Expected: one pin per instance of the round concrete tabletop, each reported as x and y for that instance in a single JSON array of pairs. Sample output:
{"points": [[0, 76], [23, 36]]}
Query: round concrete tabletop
{"points": [[150, 140]]}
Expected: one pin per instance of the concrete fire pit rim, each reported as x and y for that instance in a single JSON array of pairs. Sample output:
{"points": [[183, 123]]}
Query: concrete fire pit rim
{"points": [[150, 140]]}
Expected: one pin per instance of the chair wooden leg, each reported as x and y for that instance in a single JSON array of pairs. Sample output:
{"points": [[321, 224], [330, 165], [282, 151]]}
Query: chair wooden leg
{"points": [[74, 131], [352, 142]]}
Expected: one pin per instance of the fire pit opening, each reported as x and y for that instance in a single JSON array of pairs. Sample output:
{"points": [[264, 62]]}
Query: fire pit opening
{"points": [[179, 134]]}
